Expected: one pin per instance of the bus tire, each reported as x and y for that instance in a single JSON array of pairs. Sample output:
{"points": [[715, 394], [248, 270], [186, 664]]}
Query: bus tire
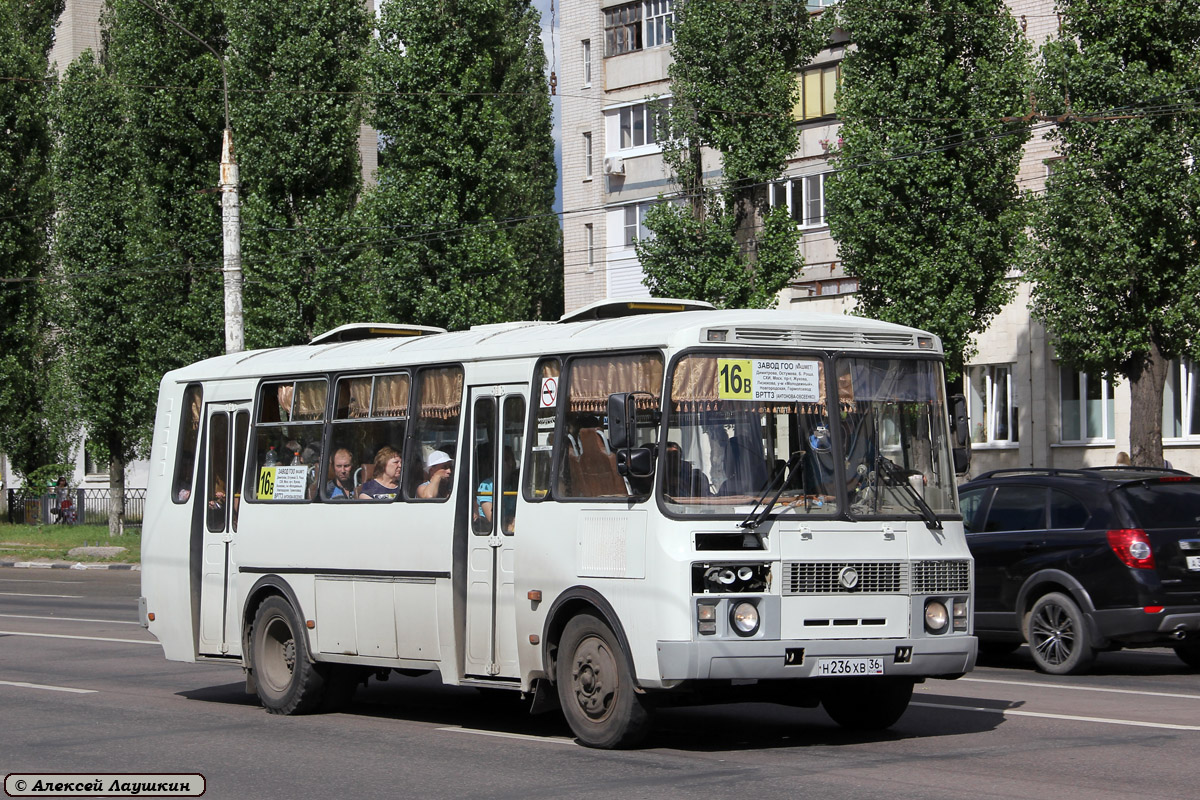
{"points": [[287, 680], [595, 687], [868, 704]]}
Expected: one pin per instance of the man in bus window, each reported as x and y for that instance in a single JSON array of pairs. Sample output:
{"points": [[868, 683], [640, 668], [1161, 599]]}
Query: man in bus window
{"points": [[438, 469], [342, 485]]}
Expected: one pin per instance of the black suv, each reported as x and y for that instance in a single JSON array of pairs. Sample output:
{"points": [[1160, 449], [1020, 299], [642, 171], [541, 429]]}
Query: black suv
{"points": [[1076, 561]]}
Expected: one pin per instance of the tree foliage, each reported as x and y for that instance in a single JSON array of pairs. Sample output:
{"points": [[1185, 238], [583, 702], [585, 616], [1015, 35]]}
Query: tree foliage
{"points": [[733, 87], [462, 214], [32, 415], [924, 204], [1117, 273], [296, 113]]}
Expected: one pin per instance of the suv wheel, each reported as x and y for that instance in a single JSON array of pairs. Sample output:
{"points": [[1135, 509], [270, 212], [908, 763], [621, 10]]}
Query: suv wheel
{"points": [[1189, 652], [1058, 636]]}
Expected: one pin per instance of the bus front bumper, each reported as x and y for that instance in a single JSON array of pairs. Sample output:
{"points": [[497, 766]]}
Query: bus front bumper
{"points": [[724, 659]]}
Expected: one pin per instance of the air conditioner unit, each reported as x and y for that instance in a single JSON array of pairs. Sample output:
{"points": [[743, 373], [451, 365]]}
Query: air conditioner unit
{"points": [[614, 165]]}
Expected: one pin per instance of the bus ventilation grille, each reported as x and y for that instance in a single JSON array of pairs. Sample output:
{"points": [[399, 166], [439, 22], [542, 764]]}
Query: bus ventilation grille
{"points": [[825, 339], [938, 577]]}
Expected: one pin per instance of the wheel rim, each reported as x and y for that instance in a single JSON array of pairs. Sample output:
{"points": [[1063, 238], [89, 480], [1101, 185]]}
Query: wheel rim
{"points": [[594, 678], [1052, 633], [278, 655]]}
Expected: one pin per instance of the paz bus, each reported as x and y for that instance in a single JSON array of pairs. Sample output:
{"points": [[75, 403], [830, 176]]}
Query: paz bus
{"points": [[644, 503]]}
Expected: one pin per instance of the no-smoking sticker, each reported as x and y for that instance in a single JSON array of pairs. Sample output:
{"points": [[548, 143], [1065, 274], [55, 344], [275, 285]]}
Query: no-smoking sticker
{"points": [[549, 395]]}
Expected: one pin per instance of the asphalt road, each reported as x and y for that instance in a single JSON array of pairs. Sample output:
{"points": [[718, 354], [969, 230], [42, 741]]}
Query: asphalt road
{"points": [[85, 689]]}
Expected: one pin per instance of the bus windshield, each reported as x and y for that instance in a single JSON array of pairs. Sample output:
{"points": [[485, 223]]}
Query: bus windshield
{"points": [[735, 423]]}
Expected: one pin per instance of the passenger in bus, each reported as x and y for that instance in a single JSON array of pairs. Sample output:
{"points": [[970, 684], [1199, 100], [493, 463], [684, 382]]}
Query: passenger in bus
{"points": [[342, 485], [385, 485], [439, 468], [486, 493]]}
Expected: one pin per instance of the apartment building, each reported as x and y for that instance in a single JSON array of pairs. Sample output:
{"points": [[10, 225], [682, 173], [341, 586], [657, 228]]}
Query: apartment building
{"points": [[1026, 408]]}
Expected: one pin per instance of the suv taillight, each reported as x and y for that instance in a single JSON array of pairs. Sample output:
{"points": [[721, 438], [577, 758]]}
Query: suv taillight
{"points": [[1132, 546]]}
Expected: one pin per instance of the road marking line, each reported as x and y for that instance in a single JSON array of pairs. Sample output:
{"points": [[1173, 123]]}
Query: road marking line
{"points": [[85, 638], [32, 580], [24, 685], [73, 619], [1038, 685], [22, 594], [522, 736], [1009, 712]]}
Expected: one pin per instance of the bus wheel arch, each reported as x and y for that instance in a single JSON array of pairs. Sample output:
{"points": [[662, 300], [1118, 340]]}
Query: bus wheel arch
{"points": [[264, 588], [571, 603]]}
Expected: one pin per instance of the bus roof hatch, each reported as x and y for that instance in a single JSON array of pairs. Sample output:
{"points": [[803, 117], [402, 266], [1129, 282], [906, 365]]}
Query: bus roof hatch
{"points": [[612, 309], [373, 330]]}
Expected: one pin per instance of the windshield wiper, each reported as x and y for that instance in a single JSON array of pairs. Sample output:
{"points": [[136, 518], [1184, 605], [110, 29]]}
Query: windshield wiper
{"points": [[889, 469], [757, 517]]}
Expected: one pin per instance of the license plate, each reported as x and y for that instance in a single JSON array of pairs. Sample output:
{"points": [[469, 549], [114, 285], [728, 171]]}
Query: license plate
{"points": [[850, 666], [1194, 563]]}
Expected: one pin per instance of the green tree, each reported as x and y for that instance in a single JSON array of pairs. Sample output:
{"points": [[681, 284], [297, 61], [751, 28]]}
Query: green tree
{"points": [[733, 86], [138, 228], [463, 227], [33, 430], [1117, 273], [297, 109], [924, 204]]}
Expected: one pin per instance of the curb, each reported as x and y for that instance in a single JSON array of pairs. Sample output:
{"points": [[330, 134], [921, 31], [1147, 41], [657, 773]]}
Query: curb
{"points": [[67, 565]]}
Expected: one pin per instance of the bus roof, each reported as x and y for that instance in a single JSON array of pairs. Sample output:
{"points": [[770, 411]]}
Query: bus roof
{"points": [[737, 328]]}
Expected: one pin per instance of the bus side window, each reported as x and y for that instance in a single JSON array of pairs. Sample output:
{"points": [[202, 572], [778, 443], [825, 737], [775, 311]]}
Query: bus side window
{"points": [[438, 413], [370, 413], [546, 378], [287, 440], [189, 437], [589, 467]]}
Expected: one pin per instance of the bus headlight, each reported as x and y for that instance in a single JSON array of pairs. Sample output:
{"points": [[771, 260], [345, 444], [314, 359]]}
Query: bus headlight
{"points": [[743, 618], [960, 616], [936, 616]]}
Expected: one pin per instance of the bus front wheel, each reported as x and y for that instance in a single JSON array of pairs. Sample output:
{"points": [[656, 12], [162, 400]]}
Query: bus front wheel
{"points": [[288, 681], [595, 687], [868, 704]]}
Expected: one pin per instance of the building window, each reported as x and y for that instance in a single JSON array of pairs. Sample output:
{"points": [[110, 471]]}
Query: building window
{"points": [[630, 27], [993, 417], [1086, 407], [587, 62], [1181, 400], [637, 126], [587, 156], [589, 236], [818, 92], [804, 197], [659, 19], [635, 223]]}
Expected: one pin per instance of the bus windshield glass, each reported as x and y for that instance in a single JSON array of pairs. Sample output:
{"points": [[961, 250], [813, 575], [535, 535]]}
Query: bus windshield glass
{"points": [[894, 437], [736, 422]]}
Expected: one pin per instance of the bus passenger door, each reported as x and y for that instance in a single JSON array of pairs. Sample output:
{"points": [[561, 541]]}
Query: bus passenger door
{"points": [[498, 427], [228, 427]]}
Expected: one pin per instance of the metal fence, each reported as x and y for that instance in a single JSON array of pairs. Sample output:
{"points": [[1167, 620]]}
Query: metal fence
{"points": [[86, 507]]}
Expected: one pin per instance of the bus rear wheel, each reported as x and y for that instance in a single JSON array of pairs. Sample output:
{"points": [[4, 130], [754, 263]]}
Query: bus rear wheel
{"points": [[595, 687], [868, 704], [288, 681]]}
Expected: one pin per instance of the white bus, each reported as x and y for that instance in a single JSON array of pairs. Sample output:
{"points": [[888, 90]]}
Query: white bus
{"points": [[618, 510]]}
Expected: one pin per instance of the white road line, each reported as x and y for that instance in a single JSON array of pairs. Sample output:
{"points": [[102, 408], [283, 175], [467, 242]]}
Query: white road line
{"points": [[521, 736], [1009, 712], [22, 594], [34, 580], [85, 638], [47, 688], [1037, 685], [73, 619]]}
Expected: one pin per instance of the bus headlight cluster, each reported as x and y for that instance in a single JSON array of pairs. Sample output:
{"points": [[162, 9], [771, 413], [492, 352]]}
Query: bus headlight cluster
{"points": [[706, 618], [946, 614], [743, 618]]}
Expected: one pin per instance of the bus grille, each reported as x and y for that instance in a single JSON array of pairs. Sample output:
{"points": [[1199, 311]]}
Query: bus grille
{"points": [[826, 577], [938, 577], [876, 577], [821, 338]]}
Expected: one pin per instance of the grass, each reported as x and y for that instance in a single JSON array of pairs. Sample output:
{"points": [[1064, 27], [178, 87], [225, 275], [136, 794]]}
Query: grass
{"points": [[51, 543]]}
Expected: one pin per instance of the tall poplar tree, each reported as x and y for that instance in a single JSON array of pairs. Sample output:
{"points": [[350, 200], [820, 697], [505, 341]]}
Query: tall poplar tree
{"points": [[924, 203], [32, 419], [733, 87], [297, 109], [462, 216], [1117, 275]]}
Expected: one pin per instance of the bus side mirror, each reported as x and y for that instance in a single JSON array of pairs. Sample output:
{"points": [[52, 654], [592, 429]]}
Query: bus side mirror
{"points": [[622, 420], [961, 432]]}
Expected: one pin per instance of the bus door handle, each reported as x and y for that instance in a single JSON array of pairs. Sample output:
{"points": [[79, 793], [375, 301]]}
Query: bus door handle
{"points": [[495, 540]]}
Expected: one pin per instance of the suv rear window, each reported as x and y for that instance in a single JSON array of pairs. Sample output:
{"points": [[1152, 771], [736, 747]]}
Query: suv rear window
{"points": [[1164, 505]]}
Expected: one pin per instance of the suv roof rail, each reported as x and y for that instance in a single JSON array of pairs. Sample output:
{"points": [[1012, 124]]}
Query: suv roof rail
{"points": [[1080, 472], [1131, 468], [1031, 471]]}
